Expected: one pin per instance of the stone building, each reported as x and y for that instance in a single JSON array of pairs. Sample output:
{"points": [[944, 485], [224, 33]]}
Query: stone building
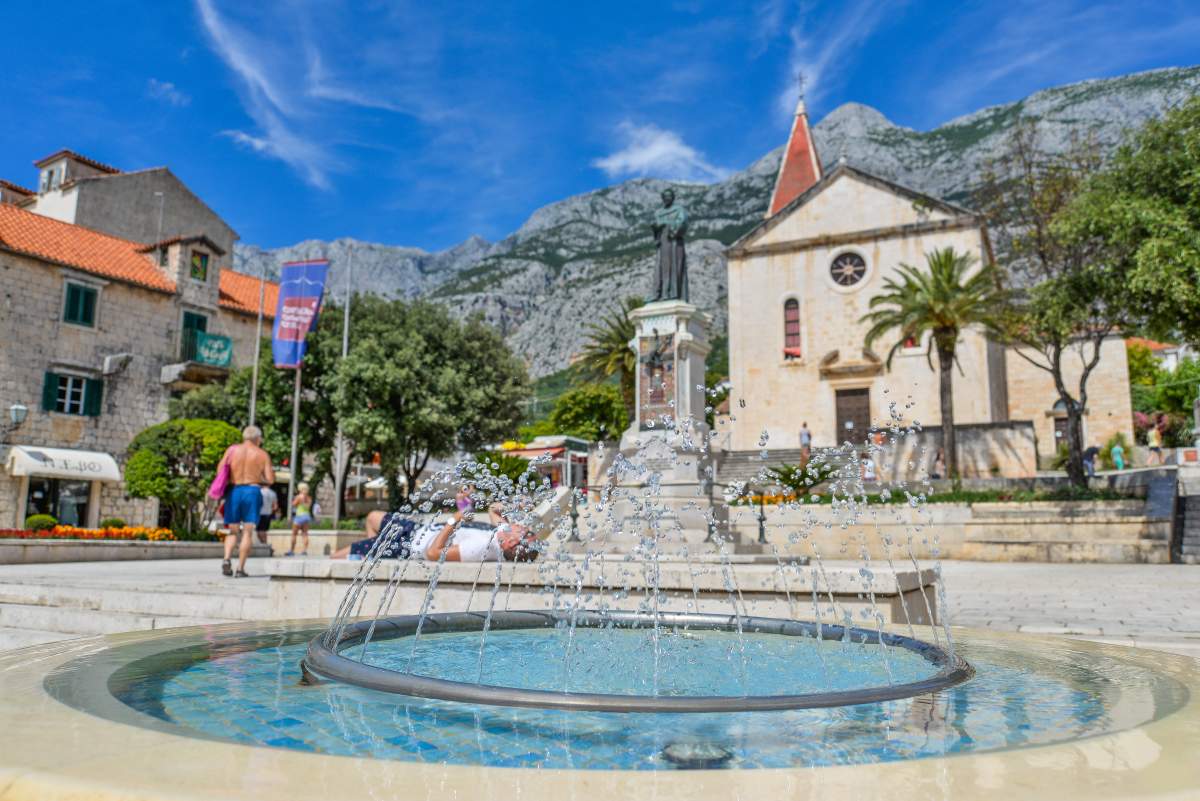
{"points": [[148, 205], [800, 281], [97, 332]]}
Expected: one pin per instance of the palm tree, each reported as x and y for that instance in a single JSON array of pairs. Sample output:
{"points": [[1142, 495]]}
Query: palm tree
{"points": [[943, 301], [607, 352]]}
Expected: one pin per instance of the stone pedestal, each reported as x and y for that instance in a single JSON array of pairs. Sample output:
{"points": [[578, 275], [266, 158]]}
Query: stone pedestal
{"points": [[669, 436]]}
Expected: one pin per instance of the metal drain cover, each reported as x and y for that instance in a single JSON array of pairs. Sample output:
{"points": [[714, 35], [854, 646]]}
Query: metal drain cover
{"points": [[697, 755]]}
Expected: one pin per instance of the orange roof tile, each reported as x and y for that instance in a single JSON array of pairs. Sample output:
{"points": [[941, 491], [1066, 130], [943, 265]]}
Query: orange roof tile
{"points": [[239, 292], [82, 248], [78, 157], [1149, 343]]}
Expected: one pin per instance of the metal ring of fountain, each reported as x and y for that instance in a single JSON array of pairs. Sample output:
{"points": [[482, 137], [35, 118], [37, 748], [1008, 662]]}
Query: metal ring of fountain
{"points": [[326, 662]]}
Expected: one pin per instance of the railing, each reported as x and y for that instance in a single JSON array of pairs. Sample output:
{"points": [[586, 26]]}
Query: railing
{"points": [[205, 348]]}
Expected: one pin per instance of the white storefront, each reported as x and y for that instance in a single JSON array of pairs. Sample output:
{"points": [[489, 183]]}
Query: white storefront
{"points": [[60, 482]]}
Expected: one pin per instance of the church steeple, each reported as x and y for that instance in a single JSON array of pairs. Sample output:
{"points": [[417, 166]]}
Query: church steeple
{"points": [[800, 168]]}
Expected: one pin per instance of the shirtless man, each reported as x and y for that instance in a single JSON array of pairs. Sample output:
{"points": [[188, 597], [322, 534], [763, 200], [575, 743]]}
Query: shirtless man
{"points": [[249, 471]]}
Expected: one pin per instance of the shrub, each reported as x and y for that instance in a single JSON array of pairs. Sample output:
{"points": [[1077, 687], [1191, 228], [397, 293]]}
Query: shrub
{"points": [[1059, 462], [112, 522], [40, 522], [800, 479], [175, 461]]}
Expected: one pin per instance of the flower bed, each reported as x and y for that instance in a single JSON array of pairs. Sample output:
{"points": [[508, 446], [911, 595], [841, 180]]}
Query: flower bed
{"points": [[73, 533]]}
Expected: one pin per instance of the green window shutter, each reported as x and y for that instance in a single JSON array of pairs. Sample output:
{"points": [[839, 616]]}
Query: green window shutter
{"points": [[87, 310], [72, 302], [93, 394], [80, 307], [50, 392]]}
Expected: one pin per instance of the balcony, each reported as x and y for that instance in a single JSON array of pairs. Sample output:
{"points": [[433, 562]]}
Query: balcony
{"points": [[203, 358], [204, 348]]}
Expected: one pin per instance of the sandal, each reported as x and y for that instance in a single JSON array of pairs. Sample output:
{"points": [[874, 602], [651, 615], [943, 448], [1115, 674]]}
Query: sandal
{"points": [[227, 568], [241, 574]]}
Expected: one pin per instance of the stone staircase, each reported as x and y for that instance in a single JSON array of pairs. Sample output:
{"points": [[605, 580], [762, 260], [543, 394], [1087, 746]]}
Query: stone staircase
{"points": [[1186, 545], [63, 601], [1189, 541], [747, 465]]}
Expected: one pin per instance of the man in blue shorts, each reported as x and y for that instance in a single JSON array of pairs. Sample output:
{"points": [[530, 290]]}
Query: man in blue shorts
{"points": [[249, 471]]}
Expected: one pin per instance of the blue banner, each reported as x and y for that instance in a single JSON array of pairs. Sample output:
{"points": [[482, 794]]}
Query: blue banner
{"points": [[301, 284]]}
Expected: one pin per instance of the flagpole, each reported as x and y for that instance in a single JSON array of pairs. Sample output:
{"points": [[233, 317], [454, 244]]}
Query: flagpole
{"points": [[262, 292], [340, 450], [295, 439]]}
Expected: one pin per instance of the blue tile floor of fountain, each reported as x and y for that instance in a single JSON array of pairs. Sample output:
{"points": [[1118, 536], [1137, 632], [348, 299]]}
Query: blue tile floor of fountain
{"points": [[1015, 700]]}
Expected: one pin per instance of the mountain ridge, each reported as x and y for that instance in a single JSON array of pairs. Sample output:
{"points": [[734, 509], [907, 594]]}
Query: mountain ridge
{"points": [[575, 258]]}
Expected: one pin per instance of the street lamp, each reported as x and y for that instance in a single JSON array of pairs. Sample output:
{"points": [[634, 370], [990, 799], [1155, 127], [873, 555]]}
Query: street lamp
{"points": [[16, 415]]}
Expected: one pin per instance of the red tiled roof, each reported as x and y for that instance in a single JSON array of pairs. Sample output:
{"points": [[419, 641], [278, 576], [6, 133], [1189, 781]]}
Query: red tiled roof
{"points": [[239, 292], [15, 187], [91, 162], [800, 168], [82, 248], [1149, 343]]}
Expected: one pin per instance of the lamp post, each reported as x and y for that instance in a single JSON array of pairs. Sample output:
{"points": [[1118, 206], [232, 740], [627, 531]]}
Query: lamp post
{"points": [[16, 416]]}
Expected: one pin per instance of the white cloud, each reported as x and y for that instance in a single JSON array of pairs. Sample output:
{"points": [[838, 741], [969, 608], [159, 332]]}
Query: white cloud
{"points": [[820, 47], [268, 100], [659, 153], [167, 92]]}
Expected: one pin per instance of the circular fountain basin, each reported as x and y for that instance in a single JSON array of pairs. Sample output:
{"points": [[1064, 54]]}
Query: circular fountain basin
{"points": [[629, 662], [220, 712]]}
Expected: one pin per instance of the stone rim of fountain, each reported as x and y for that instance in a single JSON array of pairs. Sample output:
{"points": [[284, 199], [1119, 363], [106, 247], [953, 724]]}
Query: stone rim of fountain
{"points": [[325, 661]]}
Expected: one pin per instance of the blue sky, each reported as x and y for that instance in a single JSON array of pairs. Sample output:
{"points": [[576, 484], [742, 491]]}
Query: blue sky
{"points": [[422, 123]]}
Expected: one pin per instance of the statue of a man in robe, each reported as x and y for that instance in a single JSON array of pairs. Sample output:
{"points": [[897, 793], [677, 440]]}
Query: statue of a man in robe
{"points": [[669, 225]]}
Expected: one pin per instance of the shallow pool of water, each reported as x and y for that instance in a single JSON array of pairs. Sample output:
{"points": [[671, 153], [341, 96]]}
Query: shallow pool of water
{"points": [[248, 692]]}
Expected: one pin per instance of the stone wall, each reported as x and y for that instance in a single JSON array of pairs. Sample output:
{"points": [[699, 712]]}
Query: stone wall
{"points": [[1032, 395], [125, 205], [1091, 531], [34, 339], [985, 450]]}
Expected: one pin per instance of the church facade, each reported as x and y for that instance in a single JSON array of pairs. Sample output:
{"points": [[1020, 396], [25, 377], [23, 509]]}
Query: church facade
{"points": [[800, 282]]}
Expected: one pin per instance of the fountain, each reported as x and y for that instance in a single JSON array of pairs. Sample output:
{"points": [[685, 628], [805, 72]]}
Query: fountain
{"points": [[643, 642]]}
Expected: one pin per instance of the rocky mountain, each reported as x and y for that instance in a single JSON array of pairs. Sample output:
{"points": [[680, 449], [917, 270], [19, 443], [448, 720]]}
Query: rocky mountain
{"points": [[574, 259]]}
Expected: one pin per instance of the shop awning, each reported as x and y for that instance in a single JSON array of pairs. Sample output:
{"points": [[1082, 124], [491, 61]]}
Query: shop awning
{"points": [[31, 460], [533, 453]]}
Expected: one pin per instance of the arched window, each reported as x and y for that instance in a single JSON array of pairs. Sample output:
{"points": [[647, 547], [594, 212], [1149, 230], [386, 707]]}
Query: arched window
{"points": [[791, 329]]}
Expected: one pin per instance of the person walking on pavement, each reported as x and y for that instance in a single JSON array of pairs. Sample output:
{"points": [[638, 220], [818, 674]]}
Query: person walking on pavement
{"points": [[805, 443], [270, 505], [249, 471]]}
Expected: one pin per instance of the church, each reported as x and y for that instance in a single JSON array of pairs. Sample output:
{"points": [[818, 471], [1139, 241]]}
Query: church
{"points": [[800, 281]]}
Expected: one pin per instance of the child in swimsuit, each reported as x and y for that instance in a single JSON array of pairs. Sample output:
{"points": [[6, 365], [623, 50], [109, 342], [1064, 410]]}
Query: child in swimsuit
{"points": [[301, 517]]}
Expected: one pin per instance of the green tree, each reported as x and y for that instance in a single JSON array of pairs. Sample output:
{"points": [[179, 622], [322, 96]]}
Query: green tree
{"points": [[230, 402], [592, 411], [1071, 303], [1143, 210], [607, 352], [944, 300], [419, 384], [1143, 375], [175, 462], [1176, 390]]}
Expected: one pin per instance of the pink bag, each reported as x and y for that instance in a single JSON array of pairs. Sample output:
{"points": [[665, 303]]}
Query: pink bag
{"points": [[220, 483]]}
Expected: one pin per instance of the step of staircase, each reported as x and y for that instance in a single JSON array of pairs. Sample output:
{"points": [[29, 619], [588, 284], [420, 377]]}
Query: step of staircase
{"points": [[131, 600], [77, 621], [42, 603], [23, 638]]}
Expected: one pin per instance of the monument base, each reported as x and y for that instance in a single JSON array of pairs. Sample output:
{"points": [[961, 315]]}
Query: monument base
{"points": [[667, 496]]}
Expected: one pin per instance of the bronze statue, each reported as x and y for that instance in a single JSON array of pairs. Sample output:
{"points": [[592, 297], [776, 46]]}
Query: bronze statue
{"points": [[669, 225]]}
